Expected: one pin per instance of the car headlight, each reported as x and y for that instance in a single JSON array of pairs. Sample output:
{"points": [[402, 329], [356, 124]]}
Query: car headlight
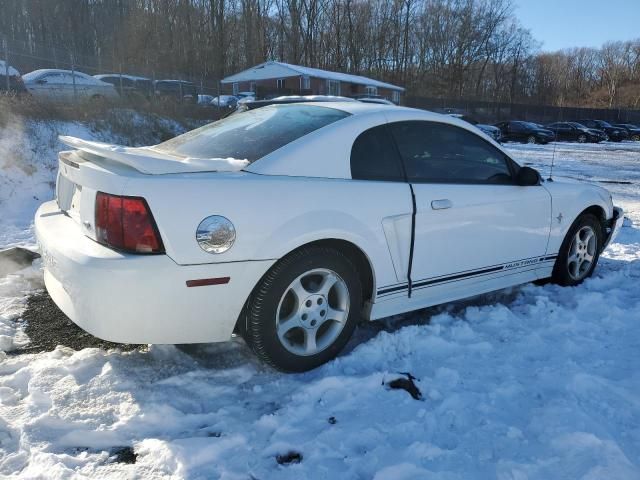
{"points": [[215, 234]]}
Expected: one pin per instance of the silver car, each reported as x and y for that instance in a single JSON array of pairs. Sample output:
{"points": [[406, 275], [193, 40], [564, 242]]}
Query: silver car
{"points": [[65, 85]]}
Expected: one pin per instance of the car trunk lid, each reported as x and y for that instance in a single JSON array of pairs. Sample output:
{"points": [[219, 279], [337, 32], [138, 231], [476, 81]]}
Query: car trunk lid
{"points": [[101, 167]]}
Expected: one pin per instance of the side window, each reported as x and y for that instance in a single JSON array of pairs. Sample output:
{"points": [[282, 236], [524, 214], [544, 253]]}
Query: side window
{"points": [[515, 127], [440, 153], [374, 157]]}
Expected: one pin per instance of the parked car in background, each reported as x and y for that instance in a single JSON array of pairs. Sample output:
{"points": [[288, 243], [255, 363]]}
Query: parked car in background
{"points": [[15, 80], [632, 130], [526, 132], [175, 90], [129, 86], [396, 209], [380, 101], [614, 134], [225, 101], [204, 100], [244, 97], [65, 85], [490, 130], [575, 132]]}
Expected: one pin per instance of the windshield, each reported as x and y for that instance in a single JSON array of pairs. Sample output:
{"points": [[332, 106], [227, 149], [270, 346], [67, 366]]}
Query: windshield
{"points": [[252, 134]]}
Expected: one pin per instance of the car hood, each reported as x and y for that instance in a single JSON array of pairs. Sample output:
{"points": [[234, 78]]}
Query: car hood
{"points": [[152, 160]]}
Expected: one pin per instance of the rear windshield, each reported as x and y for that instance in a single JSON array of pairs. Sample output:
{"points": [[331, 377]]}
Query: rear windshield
{"points": [[253, 134]]}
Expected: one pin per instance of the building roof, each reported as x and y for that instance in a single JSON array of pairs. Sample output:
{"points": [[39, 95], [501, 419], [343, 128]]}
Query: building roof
{"points": [[272, 69]]}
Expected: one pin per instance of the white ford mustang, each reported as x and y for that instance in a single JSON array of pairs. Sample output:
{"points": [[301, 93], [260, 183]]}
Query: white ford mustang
{"points": [[290, 223]]}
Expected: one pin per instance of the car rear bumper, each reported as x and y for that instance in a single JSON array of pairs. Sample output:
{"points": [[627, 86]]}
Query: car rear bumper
{"points": [[613, 226], [138, 298]]}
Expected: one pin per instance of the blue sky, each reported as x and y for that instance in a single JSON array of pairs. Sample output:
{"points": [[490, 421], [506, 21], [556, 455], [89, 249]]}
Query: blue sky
{"points": [[579, 23]]}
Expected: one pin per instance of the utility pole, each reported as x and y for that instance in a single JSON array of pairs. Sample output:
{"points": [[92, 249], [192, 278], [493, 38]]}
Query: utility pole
{"points": [[6, 62], [73, 77]]}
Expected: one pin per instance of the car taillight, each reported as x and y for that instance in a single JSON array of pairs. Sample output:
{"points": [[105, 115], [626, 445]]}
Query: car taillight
{"points": [[126, 223]]}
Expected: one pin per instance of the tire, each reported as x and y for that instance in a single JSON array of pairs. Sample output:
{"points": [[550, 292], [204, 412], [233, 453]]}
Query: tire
{"points": [[576, 261], [635, 138], [582, 139], [531, 139], [286, 322]]}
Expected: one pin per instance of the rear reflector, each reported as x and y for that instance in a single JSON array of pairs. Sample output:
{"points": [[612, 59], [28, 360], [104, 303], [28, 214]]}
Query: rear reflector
{"points": [[126, 223]]}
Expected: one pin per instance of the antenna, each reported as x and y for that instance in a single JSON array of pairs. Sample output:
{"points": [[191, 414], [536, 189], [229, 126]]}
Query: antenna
{"points": [[553, 161], [555, 142]]}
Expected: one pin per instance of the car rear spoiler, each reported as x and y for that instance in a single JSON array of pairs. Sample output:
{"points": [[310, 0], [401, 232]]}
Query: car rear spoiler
{"points": [[151, 161]]}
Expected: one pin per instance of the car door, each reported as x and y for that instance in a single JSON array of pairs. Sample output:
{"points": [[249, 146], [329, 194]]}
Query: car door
{"points": [[563, 131], [473, 223], [48, 86]]}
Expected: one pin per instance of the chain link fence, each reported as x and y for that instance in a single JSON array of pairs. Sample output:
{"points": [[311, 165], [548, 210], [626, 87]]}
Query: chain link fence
{"points": [[492, 112], [26, 57]]}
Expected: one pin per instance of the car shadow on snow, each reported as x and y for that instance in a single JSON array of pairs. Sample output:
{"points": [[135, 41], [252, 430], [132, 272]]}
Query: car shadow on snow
{"points": [[48, 327]]}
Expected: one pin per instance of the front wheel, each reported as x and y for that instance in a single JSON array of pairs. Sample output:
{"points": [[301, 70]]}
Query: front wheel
{"points": [[531, 139], [582, 139], [635, 138], [304, 310], [579, 252]]}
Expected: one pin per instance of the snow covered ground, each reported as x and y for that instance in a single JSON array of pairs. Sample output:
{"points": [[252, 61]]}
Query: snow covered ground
{"points": [[530, 383]]}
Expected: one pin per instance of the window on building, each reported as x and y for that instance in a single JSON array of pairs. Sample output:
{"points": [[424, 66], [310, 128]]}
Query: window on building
{"points": [[333, 87], [371, 90], [252, 87], [280, 83], [306, 82], [236, 88], [395, 96]]}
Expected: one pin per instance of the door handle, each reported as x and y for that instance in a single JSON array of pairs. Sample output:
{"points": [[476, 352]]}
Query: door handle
{"points": [[441, 204]]}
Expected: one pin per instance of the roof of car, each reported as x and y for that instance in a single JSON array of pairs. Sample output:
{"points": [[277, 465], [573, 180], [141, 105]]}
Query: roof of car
{"points": [[130, 77], [43, 71]]}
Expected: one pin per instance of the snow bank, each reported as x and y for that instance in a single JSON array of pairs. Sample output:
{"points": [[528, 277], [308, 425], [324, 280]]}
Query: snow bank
{"points": [[530, 383], [29, 158]]}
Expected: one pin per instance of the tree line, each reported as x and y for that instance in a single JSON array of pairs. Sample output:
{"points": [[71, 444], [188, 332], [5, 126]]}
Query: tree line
{"points": [[467, 49]]}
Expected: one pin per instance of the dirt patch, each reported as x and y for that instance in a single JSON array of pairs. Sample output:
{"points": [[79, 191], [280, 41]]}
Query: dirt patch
{"points": [[47, 327]]}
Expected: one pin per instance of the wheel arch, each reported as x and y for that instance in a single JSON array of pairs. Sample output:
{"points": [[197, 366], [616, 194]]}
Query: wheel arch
{"points": [[356, 254]]}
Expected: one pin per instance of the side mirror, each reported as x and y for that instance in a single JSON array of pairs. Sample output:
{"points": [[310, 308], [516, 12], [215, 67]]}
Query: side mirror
{"points": [[528, 177]]}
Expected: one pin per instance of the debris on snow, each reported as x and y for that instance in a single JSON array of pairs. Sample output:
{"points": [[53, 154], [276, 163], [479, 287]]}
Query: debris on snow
{"points": [[407, 383], [289, 457]]}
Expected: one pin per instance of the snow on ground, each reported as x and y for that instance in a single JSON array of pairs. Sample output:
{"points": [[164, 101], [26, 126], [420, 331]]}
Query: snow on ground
{"points": [[529, 383]]}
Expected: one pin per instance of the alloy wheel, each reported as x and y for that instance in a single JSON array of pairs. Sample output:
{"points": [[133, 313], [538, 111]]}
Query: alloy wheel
{"points": [[312, 312], [582, 253]]}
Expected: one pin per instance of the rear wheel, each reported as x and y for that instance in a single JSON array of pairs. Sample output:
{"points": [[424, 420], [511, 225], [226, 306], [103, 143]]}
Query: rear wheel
{"points": [[635, 138], [531, 139], [304, 310], [582, 138], [579, 252]]}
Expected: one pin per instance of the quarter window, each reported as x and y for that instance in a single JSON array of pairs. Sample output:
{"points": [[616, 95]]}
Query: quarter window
{"points": [[440, 153], [375, 157]]}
